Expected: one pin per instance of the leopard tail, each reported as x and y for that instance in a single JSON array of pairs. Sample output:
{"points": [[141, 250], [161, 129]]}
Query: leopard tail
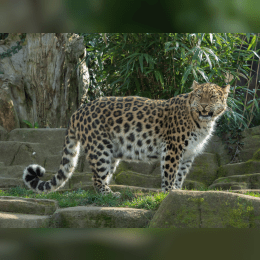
{"points": [[67, 166]]}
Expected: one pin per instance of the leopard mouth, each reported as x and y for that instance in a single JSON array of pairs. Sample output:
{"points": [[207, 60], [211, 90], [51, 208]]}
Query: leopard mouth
{"points": [[207, 116]]}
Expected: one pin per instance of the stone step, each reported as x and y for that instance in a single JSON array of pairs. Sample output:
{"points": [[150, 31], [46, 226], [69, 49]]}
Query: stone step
{"points": [[243, 168], [28, 205], [247, 181], [11, 182], [24, 153], [2, 164], [229, 186], [17, 220], [142, 180], [101, 217], [15, 171], [54, 136]]}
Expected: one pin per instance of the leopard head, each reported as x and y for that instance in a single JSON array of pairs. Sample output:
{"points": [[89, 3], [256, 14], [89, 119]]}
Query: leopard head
{"points": [[208, 101]]}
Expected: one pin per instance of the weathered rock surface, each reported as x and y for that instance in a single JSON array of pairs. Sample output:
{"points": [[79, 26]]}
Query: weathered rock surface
{"points": [[251, 140], [216, 146], [210, 209], [247, 181], [28, 205], [102, 217], [242, 168], [3, 134], [204, 169], [17, 220]]}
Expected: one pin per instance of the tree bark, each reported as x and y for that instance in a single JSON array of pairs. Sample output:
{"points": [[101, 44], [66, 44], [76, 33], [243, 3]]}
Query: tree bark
{"points": [[44, 80]]}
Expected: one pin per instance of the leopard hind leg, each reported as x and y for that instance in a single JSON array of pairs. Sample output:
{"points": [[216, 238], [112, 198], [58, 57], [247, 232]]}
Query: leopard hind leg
{"points": [[103, 166]]}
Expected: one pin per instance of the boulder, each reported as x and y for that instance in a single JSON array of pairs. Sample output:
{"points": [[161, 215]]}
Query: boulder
{"points": [[251, 140], [51, 136], [137, 179], [207, 209], [11, 182], [3, 134], [28, 205], [216, 146], [24, 153], [102, 217], [246, 181], [17, 220], [248, 167], [204, 169], [141, 167]]}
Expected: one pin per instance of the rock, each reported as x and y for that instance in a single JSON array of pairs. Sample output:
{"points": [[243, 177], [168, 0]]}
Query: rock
{"points": [[11, 182], [143, 180], [102, 217], [140, 167], [229, 186], [28, 205], [193, 185], [21, 153], [204, 169], [79, 180], [15, 171], [248, 167], [247, 181], [207, 209], [17, 220], [216, 146], [3, 134], [251, 140], [251, 132], [137, 179], [51, 136]]}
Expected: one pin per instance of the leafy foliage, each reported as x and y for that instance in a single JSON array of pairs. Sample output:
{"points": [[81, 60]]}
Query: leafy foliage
{"points": [[36, 125], [14, 49]]}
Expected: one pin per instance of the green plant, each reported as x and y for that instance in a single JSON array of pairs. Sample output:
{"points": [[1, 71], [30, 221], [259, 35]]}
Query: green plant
{"points": [[14, 49], [36, 125]]}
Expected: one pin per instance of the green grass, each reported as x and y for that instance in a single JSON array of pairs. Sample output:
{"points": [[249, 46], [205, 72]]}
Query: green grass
{"points": [[254, 194], [150, 201], [81, 197]]}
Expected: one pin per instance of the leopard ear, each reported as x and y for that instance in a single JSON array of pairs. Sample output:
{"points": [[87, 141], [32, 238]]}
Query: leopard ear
{"points": [[226, 90], [195, 84]]}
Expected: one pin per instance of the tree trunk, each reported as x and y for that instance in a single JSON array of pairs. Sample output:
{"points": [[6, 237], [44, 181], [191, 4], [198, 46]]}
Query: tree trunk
{"points": [[43, 79]]}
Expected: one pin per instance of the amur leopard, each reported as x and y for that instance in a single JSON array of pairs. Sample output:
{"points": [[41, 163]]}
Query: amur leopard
{"points": [[111, 129]]}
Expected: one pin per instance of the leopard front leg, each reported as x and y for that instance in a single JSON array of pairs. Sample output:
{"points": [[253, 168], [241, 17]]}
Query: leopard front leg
{"points": [[184, 168], [169, 168]]}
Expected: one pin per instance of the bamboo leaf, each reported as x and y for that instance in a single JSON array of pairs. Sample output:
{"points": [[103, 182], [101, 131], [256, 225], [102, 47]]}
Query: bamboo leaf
{"points": [[252, 42], [141, 57], [256, 105], [186, 74]]}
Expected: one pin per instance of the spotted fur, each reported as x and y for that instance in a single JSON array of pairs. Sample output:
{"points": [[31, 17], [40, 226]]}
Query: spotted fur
{"points": [[111, 129]]}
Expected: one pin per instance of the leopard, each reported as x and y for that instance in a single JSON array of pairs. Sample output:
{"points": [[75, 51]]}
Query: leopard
{"points": [[133, 128]]}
